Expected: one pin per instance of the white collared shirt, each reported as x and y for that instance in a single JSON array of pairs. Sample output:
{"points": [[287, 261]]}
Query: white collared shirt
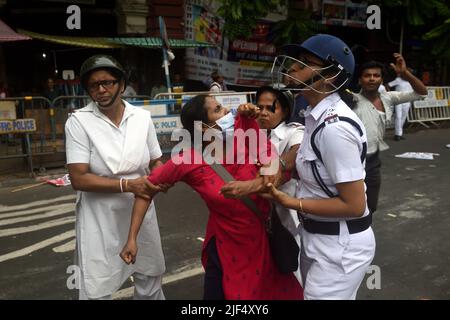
{"points": [[286, 135], [374, 122], [79, 147], [340, 145]]}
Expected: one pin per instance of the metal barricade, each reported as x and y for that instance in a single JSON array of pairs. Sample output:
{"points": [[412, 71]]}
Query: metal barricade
{"points": [[32, 128], [251, 95], [436, 107], [26, 130], [64, 105], [166, 119]]}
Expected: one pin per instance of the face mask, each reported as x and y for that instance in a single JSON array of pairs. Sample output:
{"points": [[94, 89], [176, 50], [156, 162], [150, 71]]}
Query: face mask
{"points": [[226, 124]]}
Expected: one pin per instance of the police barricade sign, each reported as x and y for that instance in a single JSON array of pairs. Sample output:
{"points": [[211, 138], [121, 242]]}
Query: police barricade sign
{"points": [[231, 101], [166, 125], [17, 126], [156, 109], [435, 107]]}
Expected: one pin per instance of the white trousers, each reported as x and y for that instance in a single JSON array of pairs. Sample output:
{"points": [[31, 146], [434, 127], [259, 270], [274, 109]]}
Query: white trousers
{"points": [[145, 288], [401, 112], [333, 267]]}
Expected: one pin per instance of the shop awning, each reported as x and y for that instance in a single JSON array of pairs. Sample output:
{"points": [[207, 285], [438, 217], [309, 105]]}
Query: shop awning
{"points": [[119, 42], [153, 42], [8, 34], [88, 42]]}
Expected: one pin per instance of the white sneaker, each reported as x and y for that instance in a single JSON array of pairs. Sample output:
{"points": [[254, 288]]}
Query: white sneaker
{"points": [[447, 146]]}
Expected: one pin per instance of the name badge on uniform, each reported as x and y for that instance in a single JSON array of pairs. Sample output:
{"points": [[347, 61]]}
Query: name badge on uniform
{"points": [[331, 119]]}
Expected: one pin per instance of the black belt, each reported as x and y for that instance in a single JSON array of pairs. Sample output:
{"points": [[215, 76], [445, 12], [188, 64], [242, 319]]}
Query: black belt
{"points": [[332, 227]]}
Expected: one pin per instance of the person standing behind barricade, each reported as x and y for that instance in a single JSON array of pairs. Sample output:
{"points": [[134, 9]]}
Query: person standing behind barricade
{"points": [[110, 144], [177, 84], [217, 84], [131, 88], [374, 109], [51, 91], [3, 90], [402, 109], [159, 87]]}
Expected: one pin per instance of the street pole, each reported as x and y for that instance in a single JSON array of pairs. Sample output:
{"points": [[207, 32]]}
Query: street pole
{"points": [[165, 47]]}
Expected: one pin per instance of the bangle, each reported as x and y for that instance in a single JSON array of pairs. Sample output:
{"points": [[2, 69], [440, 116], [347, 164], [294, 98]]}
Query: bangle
{"points": [[126, 185], [300, 205], [120, 184]]}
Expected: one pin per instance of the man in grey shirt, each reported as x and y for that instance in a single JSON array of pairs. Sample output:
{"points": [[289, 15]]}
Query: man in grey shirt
{"points": [[373, 108]]}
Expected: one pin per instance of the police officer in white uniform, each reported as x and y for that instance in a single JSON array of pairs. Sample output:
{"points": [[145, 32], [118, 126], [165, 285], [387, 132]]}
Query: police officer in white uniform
{"points": [[338, 243], [110, 144]]}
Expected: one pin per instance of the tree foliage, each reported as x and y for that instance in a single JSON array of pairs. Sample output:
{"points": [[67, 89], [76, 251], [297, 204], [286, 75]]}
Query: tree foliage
{"points": [[297, 27], [427, 19], [241, 17]]}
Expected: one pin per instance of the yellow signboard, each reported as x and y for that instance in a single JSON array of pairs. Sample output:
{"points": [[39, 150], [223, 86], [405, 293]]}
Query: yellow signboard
{"points": [[17, 126]]}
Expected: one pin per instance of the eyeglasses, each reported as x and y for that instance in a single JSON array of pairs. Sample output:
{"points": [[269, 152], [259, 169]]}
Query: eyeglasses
{"points": [[107, 84], [308, 62]]}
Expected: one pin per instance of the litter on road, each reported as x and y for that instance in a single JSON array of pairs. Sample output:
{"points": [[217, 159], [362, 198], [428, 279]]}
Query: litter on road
{"points": [[417, 155]]}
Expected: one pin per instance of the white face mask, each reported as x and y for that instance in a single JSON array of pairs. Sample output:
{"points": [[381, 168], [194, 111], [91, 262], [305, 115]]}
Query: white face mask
{"points": [[226, 124]]}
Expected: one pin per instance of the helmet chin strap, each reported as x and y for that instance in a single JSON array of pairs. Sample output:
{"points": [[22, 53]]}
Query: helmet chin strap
{"points": [[108, 104]]}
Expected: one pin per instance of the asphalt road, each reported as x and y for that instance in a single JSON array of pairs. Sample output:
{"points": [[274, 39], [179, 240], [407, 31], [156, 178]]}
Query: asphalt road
{"points": [[411, 228]]}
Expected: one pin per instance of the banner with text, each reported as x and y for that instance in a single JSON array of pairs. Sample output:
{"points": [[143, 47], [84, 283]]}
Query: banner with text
{"points": [[242, 62]]}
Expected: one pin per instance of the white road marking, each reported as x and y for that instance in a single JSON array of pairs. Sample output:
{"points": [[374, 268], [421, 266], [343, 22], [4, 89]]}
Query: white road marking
{"points": [[40, 226], [201, 239], [49, 214], [66, 247], [37, 203], [36, 210], [37, 246], [196, 270]]}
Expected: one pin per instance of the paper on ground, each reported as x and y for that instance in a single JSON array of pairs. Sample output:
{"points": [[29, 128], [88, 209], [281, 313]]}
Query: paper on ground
{"points": [[60, 182], [417, 155]]}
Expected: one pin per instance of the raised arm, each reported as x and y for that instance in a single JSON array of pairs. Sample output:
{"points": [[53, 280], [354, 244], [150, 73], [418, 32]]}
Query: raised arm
{"points": [[400, 68]]}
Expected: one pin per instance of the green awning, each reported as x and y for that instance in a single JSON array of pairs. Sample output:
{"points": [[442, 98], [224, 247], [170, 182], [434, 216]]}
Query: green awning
{"points": [[89, 42], [153, 42], [119, 42]]}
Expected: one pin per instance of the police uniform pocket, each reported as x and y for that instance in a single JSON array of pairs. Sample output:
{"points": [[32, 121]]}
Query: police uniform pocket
{"points": [[359, 251]]}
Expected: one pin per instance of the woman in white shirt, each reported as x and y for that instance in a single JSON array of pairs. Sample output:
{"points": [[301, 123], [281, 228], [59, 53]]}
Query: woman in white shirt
{"points": [[275, 108], [338, 243]]}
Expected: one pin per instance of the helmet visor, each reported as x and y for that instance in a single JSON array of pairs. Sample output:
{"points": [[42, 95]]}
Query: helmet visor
{"points": [[283, 67]]}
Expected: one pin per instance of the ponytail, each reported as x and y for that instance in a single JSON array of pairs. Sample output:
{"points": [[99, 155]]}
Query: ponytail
{"points": [[347, 96]]}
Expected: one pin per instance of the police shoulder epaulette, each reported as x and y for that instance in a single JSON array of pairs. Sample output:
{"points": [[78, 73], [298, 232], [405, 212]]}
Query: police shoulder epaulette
{"points": [[331, 115]]}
